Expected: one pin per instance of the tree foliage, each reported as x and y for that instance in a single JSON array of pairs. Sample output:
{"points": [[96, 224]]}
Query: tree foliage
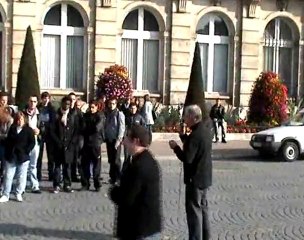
{"points": [[27, 81], [195, 93], [268, 102]]}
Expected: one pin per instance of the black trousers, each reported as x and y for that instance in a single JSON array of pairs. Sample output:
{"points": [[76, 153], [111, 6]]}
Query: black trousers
{"points": [[114, 160], [63, 160], [2, 162], [197, 213], [50, 156], [216, 125], [91, 155], [76, 163]]}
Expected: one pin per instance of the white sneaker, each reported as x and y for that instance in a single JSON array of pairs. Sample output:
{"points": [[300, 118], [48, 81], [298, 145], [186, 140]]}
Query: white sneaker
{"points": [[4, 199], [56, 190], [19, 198]]}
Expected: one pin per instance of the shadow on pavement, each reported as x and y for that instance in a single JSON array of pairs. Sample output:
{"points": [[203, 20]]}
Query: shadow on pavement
{"points": [[8, 229]]}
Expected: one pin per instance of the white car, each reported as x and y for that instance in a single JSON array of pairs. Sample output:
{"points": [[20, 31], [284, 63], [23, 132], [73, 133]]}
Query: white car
{"points": [[287, 140]]}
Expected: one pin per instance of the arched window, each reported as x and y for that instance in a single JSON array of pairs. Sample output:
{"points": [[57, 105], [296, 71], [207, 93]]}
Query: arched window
{"points": [[213, 37], [63, 48], [140, 49], [280, 52]]}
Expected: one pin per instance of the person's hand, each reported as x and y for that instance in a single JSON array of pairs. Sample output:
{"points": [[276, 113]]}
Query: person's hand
{"points": [[36, 131], [172, 144], [117, 144]]}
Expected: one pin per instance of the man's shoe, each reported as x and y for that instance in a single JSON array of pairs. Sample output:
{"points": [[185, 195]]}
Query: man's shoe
{"points": [[68, 189], [224, 141], [4, 199], [19, 198], [36, 191], [56, 190]]}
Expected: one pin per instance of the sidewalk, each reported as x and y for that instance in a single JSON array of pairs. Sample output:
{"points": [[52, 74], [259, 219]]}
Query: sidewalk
{"points": [[235, 149]]}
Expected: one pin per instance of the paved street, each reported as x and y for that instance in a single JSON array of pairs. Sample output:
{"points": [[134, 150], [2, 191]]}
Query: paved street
{"points": [[250, 199]]}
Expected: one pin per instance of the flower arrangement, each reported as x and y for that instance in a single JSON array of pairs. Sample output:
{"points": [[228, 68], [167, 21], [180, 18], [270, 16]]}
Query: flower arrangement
{"points": [[114, 82], [268, 102]]}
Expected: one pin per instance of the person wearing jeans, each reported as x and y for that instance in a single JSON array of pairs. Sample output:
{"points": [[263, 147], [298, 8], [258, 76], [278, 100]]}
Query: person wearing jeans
{"points": [[18, 145], [33, 119]]}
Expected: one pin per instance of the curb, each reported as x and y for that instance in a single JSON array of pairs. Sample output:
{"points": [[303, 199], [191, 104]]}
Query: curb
{"points": [[175, 136]]}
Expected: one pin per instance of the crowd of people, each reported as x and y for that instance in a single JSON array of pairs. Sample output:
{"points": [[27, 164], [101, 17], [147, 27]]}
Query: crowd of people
{"points": [[73, 135]]}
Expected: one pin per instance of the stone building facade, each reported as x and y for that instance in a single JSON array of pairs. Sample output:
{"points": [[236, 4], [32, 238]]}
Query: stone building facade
{"points": [[76, 40]]}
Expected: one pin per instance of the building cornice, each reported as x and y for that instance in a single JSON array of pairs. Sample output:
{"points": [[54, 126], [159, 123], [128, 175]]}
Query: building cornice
{"points": [[106, 3]]}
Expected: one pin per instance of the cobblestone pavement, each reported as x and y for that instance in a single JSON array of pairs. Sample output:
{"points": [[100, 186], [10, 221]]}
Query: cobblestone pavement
{"points": [[250, 199]]}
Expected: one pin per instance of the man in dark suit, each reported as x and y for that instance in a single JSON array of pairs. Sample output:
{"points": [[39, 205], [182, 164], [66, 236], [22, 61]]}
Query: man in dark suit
{"points": [[64, 133], [47, 115], [217, 114], [138, 196], [76, 164], [196, 158]]}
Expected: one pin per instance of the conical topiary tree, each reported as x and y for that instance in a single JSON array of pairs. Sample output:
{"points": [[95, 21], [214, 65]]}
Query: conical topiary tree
{"points": [[27, 81], [195, 93]]}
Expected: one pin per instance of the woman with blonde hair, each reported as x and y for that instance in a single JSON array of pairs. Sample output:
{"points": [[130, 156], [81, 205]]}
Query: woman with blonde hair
{"points": [[18, 145]]}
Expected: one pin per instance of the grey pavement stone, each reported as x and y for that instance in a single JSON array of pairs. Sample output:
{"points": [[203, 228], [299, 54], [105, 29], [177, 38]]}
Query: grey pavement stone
{"points": [[250, 199], [246, 198]]}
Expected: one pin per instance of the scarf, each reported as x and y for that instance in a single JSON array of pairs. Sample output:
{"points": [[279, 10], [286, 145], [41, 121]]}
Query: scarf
{"points": [[64, 118]]}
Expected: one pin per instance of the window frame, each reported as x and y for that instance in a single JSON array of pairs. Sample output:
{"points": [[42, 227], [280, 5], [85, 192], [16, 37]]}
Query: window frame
{"points": [[141, 35], [276, 43], [211, 40], [63, 31]]}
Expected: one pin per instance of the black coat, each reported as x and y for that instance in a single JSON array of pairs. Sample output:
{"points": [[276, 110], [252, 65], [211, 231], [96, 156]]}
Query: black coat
{"points": [[196, 155], [217, 112], [139, 198], [18, 146], [135, 119], [64, 137], [93, 128]]}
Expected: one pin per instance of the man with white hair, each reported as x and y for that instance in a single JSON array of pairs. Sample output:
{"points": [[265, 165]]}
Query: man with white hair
{"points": [[196, 158]]}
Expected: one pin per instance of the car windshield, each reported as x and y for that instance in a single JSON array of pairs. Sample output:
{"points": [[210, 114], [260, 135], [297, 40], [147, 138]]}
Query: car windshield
{"points": [[296, 120]]}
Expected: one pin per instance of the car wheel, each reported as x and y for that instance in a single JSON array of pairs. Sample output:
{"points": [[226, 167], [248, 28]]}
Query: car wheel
{"points": [[289, 152]]}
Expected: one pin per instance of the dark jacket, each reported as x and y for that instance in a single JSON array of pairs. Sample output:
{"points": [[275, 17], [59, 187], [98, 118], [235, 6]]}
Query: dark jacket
{"points": [[80, 121], [125, 109], [139, 198], [64, 137], [217, 112], [47, 116], [93, 131], [196, 155], [18, 146], [135, 119]]}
